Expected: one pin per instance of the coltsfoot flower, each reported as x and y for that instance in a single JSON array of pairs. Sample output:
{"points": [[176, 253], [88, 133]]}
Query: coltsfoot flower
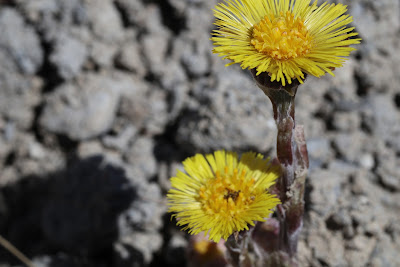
{"points": [[221, 194], [284, 38]]}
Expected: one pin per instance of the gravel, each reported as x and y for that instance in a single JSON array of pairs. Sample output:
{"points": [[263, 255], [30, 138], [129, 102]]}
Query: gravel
{"points": [[100, 101]]}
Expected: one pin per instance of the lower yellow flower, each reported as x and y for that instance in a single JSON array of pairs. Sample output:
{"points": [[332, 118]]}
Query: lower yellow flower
{"points": [[221, 194]]}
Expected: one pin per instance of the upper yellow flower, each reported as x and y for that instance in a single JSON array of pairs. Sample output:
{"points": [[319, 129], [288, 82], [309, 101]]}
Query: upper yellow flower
{"points": [[285, 38], [221, 194]]}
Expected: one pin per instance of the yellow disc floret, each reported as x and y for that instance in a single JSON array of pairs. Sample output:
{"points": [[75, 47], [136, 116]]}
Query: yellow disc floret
{"points": [[282, 37], [228, 195]]}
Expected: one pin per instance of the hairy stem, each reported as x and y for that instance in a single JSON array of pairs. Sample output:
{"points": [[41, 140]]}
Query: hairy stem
{"points": [[293, 158]]}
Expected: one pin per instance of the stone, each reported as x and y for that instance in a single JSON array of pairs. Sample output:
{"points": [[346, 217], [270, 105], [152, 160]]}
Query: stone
{"points": [[319, 151], [359, 250], [103, 54], [140, 156], [34, 10], [326, 189], [107, 27], [234, 114], [130, 58], [385, 253], [350, 145], [82, 110], [155, 50], [388, 171], [195, 61], [69, 55], [346, 121], [89, 149], [121, 141], [151, 115], [146, 243], [20, 41], [174, 76], [385, 117], [330, 253], [338, 220], [133, 11], [18, 97]]}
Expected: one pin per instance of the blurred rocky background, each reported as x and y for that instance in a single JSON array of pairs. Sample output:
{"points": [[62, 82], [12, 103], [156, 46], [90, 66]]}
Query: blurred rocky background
{"points": [[101, 100]]}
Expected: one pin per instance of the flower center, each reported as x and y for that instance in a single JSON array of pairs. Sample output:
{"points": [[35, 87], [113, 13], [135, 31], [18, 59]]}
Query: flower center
{"points": [[227, 194], [282, 37]]}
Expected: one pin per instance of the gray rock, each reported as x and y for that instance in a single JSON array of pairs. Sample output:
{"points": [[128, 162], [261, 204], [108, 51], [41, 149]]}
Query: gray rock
{"points": [[32, 158], [151, 115], [388, 170], [327, 188], [155, 49], [108, 27], [18, 96], [350, 145], [367, 161], [332, 252], [67, 12], [133, 10], [199, 19], [140, 156], [386, 118], [34, 10], [152, 20], [130, 58], [196, 62], [359, 250], [385, 253], [121, 141], [89, 148], [379, 46], [139, 224], [151, 213], [36, 151], [179, 5], [233, 114], [319, 151], [68, 56], [42, 261], [339, 220], [103, 54], [20, 41], [346, 121], [82, 110], [173, 76], [145, 242]]}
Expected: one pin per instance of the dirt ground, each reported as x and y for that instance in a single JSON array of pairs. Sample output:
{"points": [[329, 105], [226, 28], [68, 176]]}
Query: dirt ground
{"points": [[100, 101]]}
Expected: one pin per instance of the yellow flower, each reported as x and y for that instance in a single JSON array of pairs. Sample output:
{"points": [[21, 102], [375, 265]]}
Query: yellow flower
{"points": [[285, 38], [221, 194]]}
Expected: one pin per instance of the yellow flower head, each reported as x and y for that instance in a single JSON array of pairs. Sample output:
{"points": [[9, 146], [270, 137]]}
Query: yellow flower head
{"points": [[221, 194], [285, 38]]}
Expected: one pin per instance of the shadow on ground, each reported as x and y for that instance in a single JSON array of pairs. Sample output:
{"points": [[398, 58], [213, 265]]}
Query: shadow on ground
{"points": [[67, 214]]}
